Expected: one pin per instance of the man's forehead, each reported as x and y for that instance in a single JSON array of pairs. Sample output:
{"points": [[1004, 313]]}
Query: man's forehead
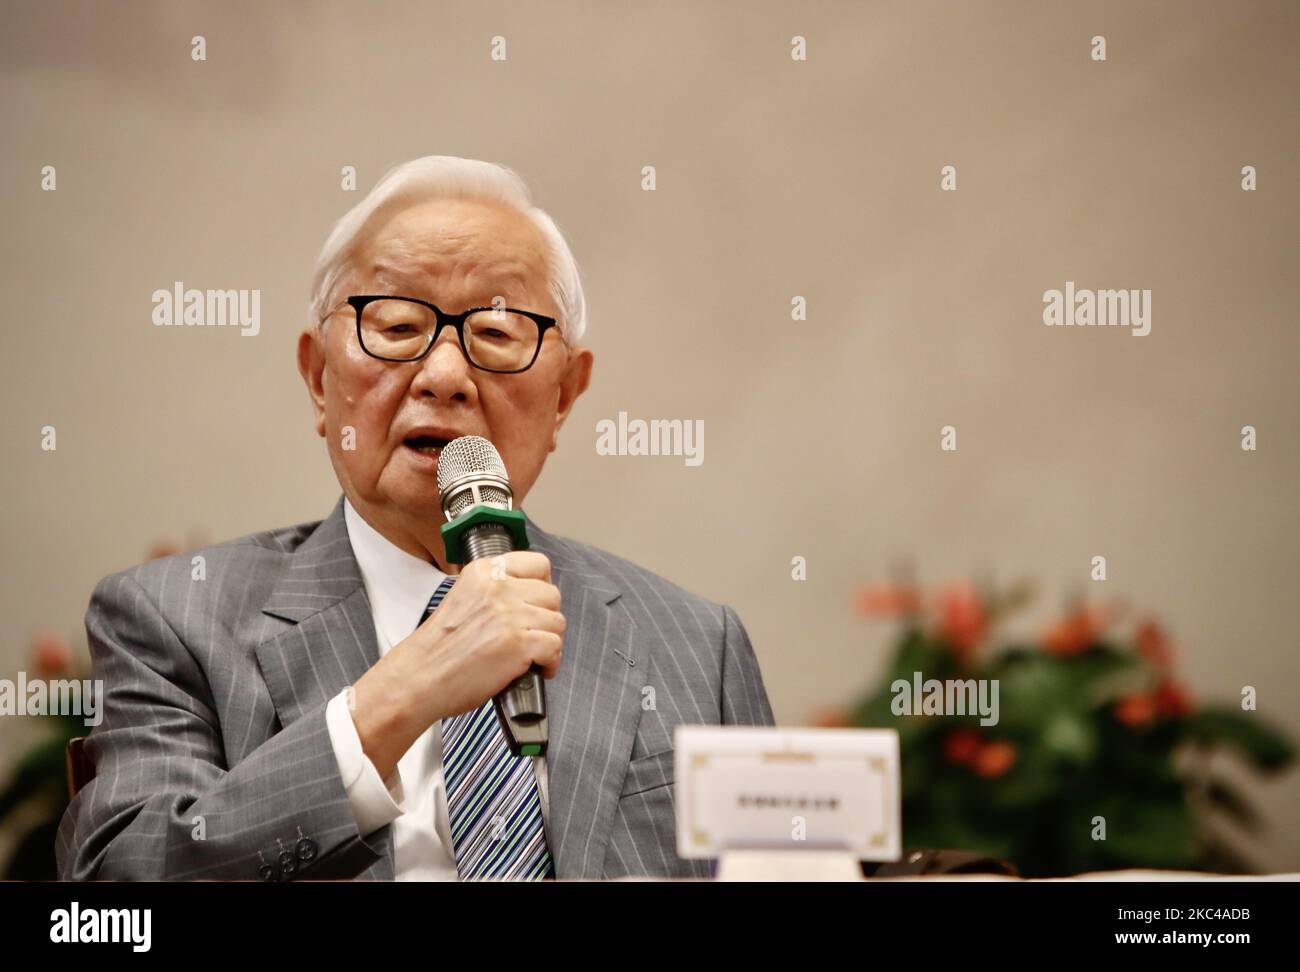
{"points": [[420, 271], [482, 247]]}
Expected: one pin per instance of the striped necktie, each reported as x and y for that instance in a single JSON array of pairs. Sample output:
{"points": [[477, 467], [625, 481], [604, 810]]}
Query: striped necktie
{"points": [[492, 801]]}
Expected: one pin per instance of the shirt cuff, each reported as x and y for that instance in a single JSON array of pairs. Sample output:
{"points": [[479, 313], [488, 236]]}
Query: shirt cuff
{"points": [[375, 803]]}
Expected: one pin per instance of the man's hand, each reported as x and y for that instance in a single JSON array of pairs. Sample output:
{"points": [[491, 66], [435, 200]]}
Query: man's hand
{"points": [[500, 617]]}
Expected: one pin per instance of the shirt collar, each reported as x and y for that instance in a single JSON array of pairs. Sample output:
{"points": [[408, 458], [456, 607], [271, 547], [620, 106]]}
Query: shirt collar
{"points": [[398, 584]]}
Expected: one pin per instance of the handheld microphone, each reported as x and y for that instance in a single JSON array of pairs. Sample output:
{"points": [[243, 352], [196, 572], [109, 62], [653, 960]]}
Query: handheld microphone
{"points": [[482, 522]]}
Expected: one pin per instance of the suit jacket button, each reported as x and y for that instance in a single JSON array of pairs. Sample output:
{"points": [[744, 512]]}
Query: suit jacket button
{"points": [[287, 863], [306, 849], [267, 873]]}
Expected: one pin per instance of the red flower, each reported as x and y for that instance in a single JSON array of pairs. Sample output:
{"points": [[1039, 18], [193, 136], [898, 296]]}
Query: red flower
{"points": [[1171, 700], [1152, 643], [1135, 711], [51, 655], [961, 746], [963, 620], [995, 758], [888, 601]]}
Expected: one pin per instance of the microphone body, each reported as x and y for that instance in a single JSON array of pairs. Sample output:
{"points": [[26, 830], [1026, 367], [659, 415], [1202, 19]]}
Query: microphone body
{"points": [[481, 522]]}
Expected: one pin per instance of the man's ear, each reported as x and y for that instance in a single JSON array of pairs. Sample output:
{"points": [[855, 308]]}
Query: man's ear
{"points": [[574, 381], [311, 365]]}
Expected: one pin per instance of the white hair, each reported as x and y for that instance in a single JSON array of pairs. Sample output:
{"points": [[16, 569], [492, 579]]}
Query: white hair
{"points": [[445, 176]]}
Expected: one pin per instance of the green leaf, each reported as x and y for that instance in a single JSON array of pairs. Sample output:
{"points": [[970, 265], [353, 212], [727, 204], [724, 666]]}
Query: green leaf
{"points": [[33, 859], [1104, 674], [1031, 690], [919, 654], [957, 822], [1261, 744], [1070, 738], [41, 773], [1032, 781], [1224, 798], [1148, 833], [1140, 760]]}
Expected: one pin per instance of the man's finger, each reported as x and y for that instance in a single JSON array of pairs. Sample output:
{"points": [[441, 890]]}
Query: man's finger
{"points": [[527, 563]]}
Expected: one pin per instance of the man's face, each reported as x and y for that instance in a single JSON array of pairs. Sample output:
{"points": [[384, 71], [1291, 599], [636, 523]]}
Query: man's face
{"points": [[456, 254]]}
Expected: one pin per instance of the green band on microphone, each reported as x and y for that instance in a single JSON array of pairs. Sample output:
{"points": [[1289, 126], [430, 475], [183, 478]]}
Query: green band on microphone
{"points": [[453, 533]]}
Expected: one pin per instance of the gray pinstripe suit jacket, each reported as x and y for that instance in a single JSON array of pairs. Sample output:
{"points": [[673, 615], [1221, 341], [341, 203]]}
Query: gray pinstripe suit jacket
{"points": [[215, 694]]}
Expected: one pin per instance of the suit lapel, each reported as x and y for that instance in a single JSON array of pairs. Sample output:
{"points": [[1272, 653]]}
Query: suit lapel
{"points": [[321, 593], [593, 708], [330, 642]]}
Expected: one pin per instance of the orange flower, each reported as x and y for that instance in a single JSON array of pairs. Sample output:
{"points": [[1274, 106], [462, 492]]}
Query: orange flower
{"points": [[961, 746], [995, 758], [163, 548], [1135, 710], [962, 621], [887, 601], [1076, 633], [51, 655], [831, 718], [1151, 641], [1171, 700]]}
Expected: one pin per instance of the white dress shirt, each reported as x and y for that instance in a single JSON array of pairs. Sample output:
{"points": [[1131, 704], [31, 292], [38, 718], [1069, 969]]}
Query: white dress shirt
{"points": [[414, 799]]}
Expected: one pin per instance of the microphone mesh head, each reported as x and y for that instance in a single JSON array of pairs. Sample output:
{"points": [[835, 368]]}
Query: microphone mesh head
{"points": [[468, 455], [471, 457]]}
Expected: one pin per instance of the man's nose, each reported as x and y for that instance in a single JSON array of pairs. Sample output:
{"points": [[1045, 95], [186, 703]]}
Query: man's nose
{"points": [[444, 372]]}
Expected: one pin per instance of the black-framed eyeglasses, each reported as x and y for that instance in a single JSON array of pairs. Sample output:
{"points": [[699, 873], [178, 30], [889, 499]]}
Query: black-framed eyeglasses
{"points": [[502, 340]]}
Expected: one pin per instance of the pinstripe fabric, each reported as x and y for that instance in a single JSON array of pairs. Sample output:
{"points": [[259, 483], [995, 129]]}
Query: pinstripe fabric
{"points": [[213, 751], [493, 806]]}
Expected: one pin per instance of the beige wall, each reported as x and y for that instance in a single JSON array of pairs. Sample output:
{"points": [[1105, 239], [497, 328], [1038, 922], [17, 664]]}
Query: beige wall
{"points": [[775, 178]]}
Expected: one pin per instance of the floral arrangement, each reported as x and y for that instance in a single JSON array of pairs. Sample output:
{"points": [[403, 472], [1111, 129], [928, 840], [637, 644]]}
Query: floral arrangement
{"points": [[38, 787], [1099, 758]]}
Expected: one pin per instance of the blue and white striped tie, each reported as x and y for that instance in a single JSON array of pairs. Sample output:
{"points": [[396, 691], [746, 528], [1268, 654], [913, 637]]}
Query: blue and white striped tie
{"points": [[492, 799]]}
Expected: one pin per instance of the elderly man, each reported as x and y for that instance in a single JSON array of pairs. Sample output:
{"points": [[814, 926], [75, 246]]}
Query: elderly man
{"points": [[317, 701]]}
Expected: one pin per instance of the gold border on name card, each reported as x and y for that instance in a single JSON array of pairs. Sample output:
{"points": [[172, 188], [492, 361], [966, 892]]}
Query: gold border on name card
{"points": [[699, 760]]}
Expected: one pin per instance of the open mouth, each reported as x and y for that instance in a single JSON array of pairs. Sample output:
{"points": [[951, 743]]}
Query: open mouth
{"points": [[427, 444]]}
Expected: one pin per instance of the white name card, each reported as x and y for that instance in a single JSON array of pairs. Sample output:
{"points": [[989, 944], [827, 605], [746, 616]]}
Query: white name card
{"points": [[755, 787]]}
